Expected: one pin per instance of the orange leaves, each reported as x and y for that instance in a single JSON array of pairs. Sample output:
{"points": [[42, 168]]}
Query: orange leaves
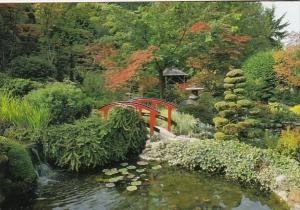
{"points": [[236, 39], [136, 61], [102, 54], [286, 65], [198, 27]]}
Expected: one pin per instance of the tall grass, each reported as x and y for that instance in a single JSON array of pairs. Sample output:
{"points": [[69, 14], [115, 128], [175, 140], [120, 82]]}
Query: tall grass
{"points": [[21, 113], [185, 123]]}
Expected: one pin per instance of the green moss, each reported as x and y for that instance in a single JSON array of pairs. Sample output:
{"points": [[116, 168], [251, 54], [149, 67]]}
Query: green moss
{"points": [[20, 165]]}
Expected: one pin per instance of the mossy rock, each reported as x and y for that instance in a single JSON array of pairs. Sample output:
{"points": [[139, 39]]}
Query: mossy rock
{"points": [[219, 136], [220, 121], [235, 73], [230, 97], [234, 80], [20, 165]]}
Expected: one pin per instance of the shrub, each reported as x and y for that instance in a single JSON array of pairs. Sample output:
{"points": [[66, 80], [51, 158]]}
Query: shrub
{"points": [[261, 81], [296, 109], [234, 109], [203, 109], [19, 87], [65, 102], [93, 142], [237, 161], [289, 142], [32, 67], [20, 167], [21, 113], [185, 123]]}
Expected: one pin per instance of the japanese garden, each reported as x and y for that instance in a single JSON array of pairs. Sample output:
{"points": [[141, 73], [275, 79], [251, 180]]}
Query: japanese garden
{"points": [[148, 105]]}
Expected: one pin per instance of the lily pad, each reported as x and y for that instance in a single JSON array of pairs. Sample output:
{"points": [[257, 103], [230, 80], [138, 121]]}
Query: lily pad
{"points": [[101, 180], [156, 167], [143, 175], [142, 163], [135, 179], [131, 167], [111, 172], [105, 170], [122, 169], [141, 170], [109, 185], [124, 172], [131, 188], [124, 164], [130, 176], [136, 183], [116, 179]]}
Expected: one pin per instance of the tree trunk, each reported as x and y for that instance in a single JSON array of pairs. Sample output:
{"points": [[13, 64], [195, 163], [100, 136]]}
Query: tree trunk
{"points": [[162, 85]]}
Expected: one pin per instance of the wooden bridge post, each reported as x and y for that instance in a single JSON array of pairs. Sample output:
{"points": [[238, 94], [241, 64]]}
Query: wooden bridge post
{"points": [[152, 120], [169, 118]]}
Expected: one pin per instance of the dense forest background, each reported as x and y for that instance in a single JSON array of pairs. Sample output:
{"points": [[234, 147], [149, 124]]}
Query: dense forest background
{"points": [[111, 49]]}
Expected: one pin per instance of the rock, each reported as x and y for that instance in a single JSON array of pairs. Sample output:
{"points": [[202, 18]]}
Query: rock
{"points": [[2, 198], [294, 196], [282, 194], [280, 178]]}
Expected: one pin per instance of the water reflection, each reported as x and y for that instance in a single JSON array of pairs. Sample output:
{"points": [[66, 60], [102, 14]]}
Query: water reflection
{"points": [[164, 189]]}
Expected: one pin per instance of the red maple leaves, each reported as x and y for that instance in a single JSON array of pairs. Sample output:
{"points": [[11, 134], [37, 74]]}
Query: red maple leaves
{"points": [[140, 57], [198, 27]]}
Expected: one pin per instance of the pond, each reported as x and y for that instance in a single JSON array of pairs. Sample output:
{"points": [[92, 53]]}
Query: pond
{"points": [[162, 188]]}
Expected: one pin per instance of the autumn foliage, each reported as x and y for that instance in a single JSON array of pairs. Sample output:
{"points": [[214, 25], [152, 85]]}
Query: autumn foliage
{"points": [[103, 55], [136, 61], [287, 66], [198, 27]]}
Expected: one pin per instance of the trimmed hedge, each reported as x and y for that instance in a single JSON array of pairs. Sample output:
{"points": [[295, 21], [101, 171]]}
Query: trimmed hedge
{"points": [[93, 142], [237, 161]]}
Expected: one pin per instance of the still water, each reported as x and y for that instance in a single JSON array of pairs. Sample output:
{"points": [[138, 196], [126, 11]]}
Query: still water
{"points": [[162, 189]]}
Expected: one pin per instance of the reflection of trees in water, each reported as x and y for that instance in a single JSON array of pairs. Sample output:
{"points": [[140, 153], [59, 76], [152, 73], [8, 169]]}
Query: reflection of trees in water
{"points": [[178, 189]]}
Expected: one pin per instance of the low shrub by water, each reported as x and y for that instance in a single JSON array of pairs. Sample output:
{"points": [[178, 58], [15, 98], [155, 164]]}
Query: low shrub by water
{"points": [[93, 142], [237, 161]]}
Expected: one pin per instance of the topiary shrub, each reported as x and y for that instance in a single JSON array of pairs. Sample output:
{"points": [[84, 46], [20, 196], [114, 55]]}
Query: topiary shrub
{"points": [[261, 81], [234, 111], [32, 67], [65, 102], [93, 142]]}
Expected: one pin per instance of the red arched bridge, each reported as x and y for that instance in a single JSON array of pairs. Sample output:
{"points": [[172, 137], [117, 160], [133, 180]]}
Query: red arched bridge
{"points": [[147, 104]]}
